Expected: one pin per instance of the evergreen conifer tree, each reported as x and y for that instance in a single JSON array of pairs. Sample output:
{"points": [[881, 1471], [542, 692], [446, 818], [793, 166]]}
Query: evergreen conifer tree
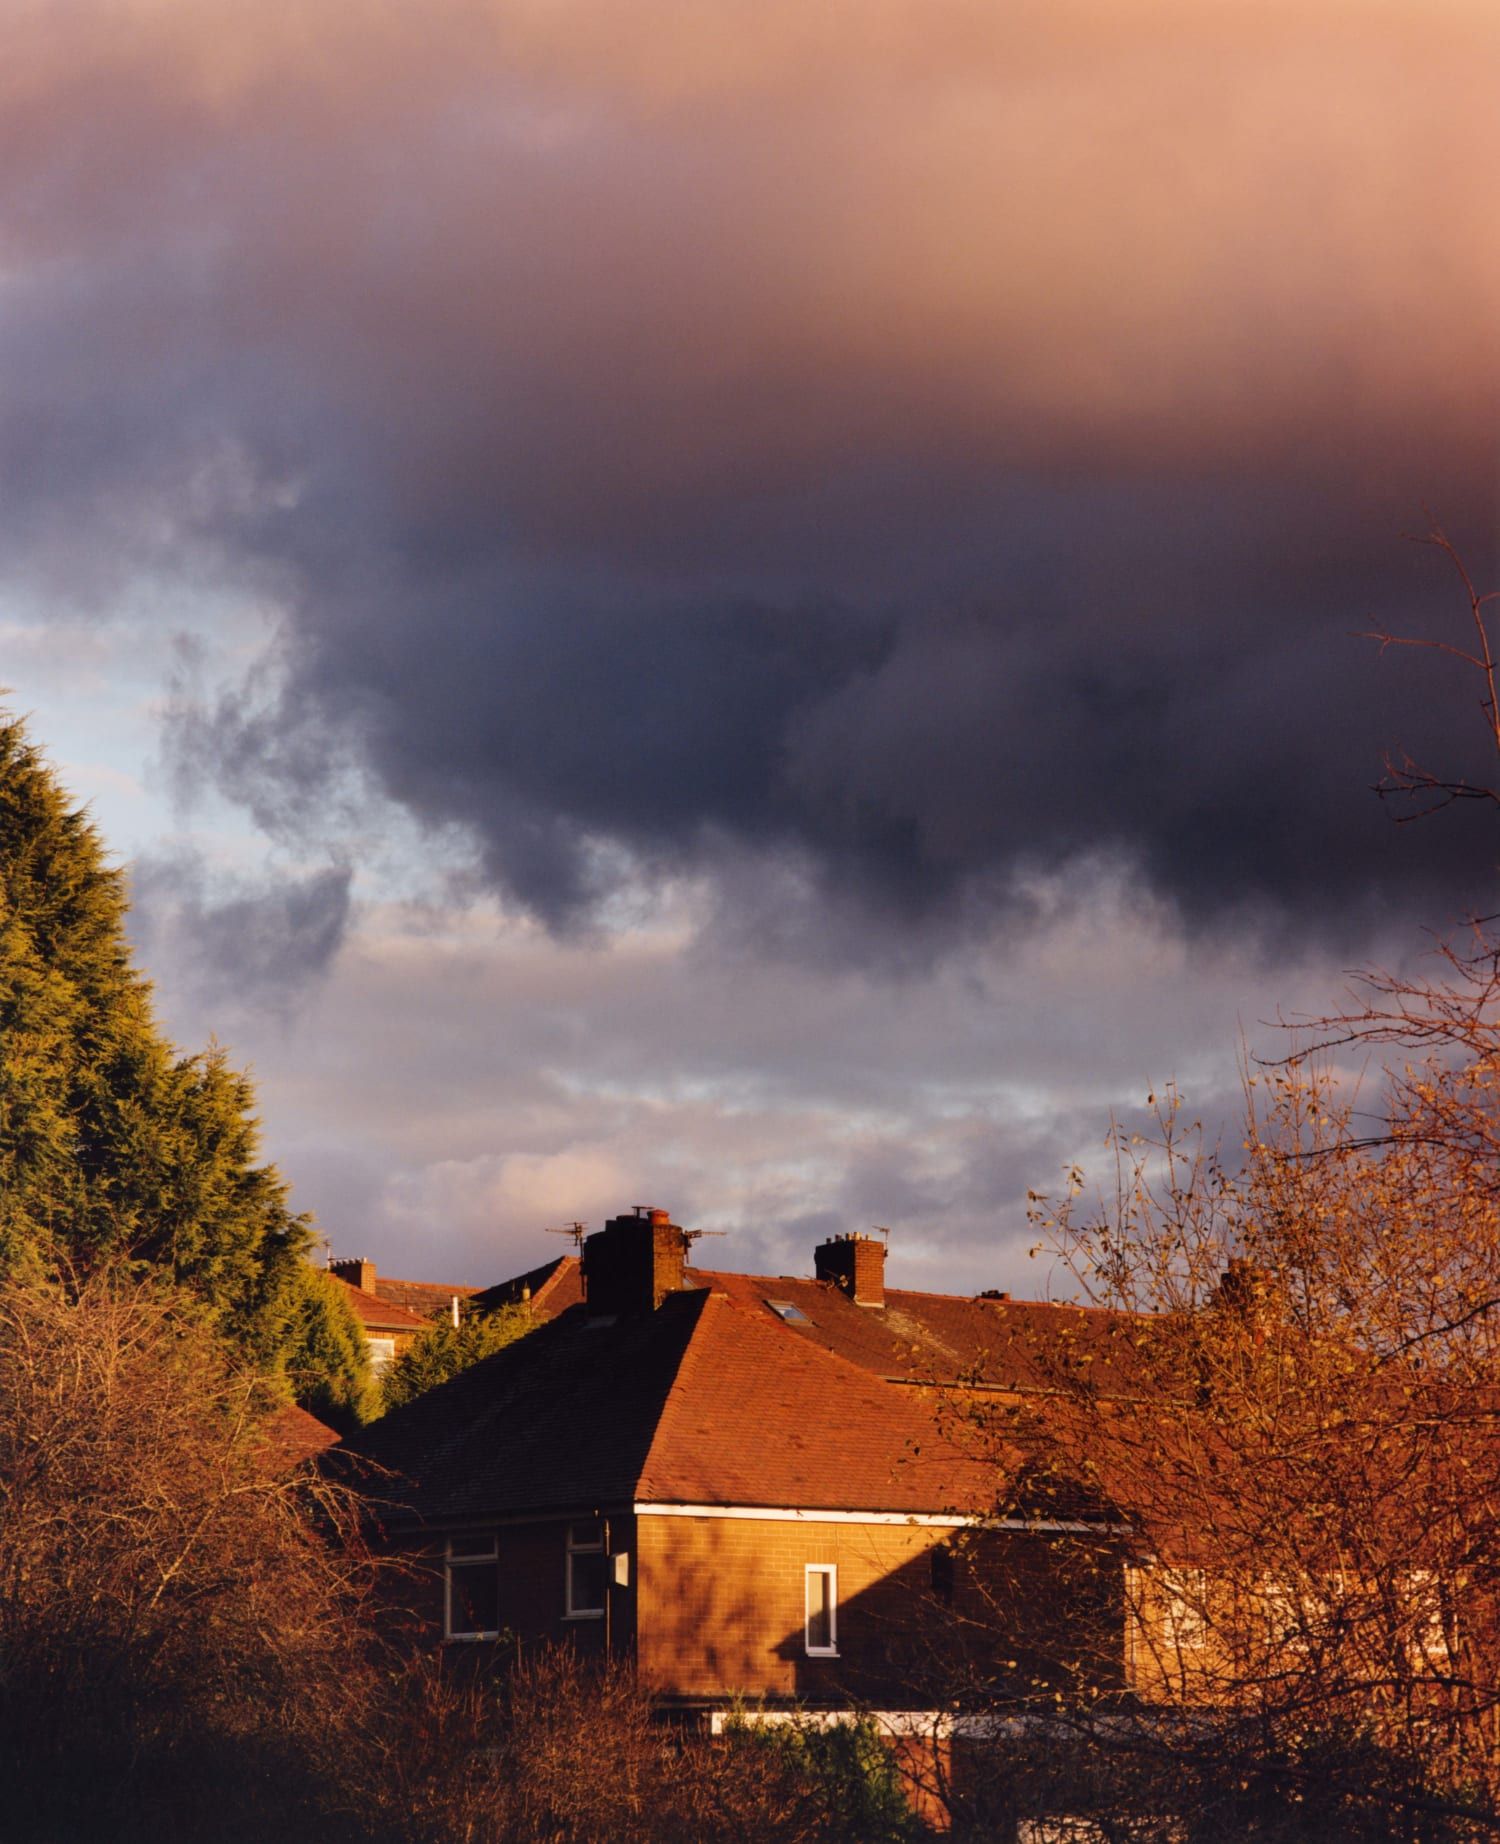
{"points": [[326, 1357], [113, 1147], [444, 1350]]}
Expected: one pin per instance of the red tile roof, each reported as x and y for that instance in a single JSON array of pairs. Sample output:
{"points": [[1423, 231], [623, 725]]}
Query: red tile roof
{"points": [[712, 1399], [551, 1289], [432, 1299], [758, 1415], [921, 1338], [378, 1315], [294, 1435], [560, 1420]]}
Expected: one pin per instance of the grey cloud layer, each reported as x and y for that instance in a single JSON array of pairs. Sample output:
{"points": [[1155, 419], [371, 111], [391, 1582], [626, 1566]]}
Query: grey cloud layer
{"points": [[925, 453], [449, 1095], [239, 945]]}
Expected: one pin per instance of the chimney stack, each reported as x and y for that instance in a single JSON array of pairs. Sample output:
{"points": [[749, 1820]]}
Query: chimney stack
{"points": [[633, 1263], [1245, 1288], [854, 1263], [357, 1271]]}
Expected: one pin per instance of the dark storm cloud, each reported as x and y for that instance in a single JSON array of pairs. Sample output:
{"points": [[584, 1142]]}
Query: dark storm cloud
{"points": [[229, 942], [1209, 717], [923, 450]]}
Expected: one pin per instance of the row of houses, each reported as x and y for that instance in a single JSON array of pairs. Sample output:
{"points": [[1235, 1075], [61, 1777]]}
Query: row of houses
{"points": [[818, 1494], [394, 1313], [742, 1484]]}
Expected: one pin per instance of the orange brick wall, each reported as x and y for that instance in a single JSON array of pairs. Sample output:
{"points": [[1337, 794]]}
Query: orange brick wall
{"points": [[720, 1605], [531, 1579], [713, 1608], [720, 1612]]}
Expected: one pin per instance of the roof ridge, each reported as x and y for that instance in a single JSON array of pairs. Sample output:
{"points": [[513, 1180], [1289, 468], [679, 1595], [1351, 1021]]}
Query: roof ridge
{"points": [[672, 1403], [709, 1275], [561, 1265], [397, 1280]]}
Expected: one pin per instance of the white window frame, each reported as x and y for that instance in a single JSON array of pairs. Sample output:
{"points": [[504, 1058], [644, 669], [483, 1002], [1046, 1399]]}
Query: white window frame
{"points": [[830, 1571], [492, 1555], [575, 1548]]}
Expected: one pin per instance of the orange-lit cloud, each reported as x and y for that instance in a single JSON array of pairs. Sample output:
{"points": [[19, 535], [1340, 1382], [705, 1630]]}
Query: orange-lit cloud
{"points": [[509, 345], [1152, 226]]}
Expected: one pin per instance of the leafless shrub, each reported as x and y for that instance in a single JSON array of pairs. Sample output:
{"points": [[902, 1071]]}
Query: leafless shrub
{"points": [[178, 1602], [553, 1748]]}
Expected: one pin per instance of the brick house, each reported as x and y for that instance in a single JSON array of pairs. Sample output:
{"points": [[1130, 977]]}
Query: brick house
{"points": [[741, 1483], [393, 1313]]}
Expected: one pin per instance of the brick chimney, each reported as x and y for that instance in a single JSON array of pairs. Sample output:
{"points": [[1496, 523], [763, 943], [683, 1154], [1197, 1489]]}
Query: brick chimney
{"points": [[1245, 1288], [855, 1263], [633, 1263], [358, 1273]]}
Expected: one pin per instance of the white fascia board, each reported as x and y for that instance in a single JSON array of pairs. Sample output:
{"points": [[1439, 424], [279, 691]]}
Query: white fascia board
{"points": [[921, 1520]]}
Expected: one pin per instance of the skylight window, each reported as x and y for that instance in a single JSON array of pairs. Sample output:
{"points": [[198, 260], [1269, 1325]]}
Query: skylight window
{"points": [[784, 1309]]}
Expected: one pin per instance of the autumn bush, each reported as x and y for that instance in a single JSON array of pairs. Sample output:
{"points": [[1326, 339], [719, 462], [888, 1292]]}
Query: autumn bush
{"points": [[1290, 1417], [196, 1643], [179, 1602], [551, 1748], [1290, 1421]]}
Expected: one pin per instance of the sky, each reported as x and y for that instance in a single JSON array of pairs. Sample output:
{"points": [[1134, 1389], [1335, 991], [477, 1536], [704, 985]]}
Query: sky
{"points": [[750, 607]]}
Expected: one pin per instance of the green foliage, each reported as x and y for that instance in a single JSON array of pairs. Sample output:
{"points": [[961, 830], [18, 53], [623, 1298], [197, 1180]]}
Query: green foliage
{"points": [[446, 1349], [327, 1357], [850, 1774], [112, 1146]]}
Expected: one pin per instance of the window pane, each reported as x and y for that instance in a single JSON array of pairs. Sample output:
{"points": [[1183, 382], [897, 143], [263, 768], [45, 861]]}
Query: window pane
{"points": [[586, 1582], [474, 1597], [586, 1536], [819, 1610]]}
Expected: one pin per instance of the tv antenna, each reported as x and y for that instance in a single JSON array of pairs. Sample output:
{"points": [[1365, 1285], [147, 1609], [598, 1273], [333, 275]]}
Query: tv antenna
{"points": [[576, 1230], [692, 1235], [883, 1231]]}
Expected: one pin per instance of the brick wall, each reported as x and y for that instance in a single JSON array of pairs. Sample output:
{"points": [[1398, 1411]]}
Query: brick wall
{"points": [[532, 1560], [720, 1611], [720, 1605], [713, 1608]]}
